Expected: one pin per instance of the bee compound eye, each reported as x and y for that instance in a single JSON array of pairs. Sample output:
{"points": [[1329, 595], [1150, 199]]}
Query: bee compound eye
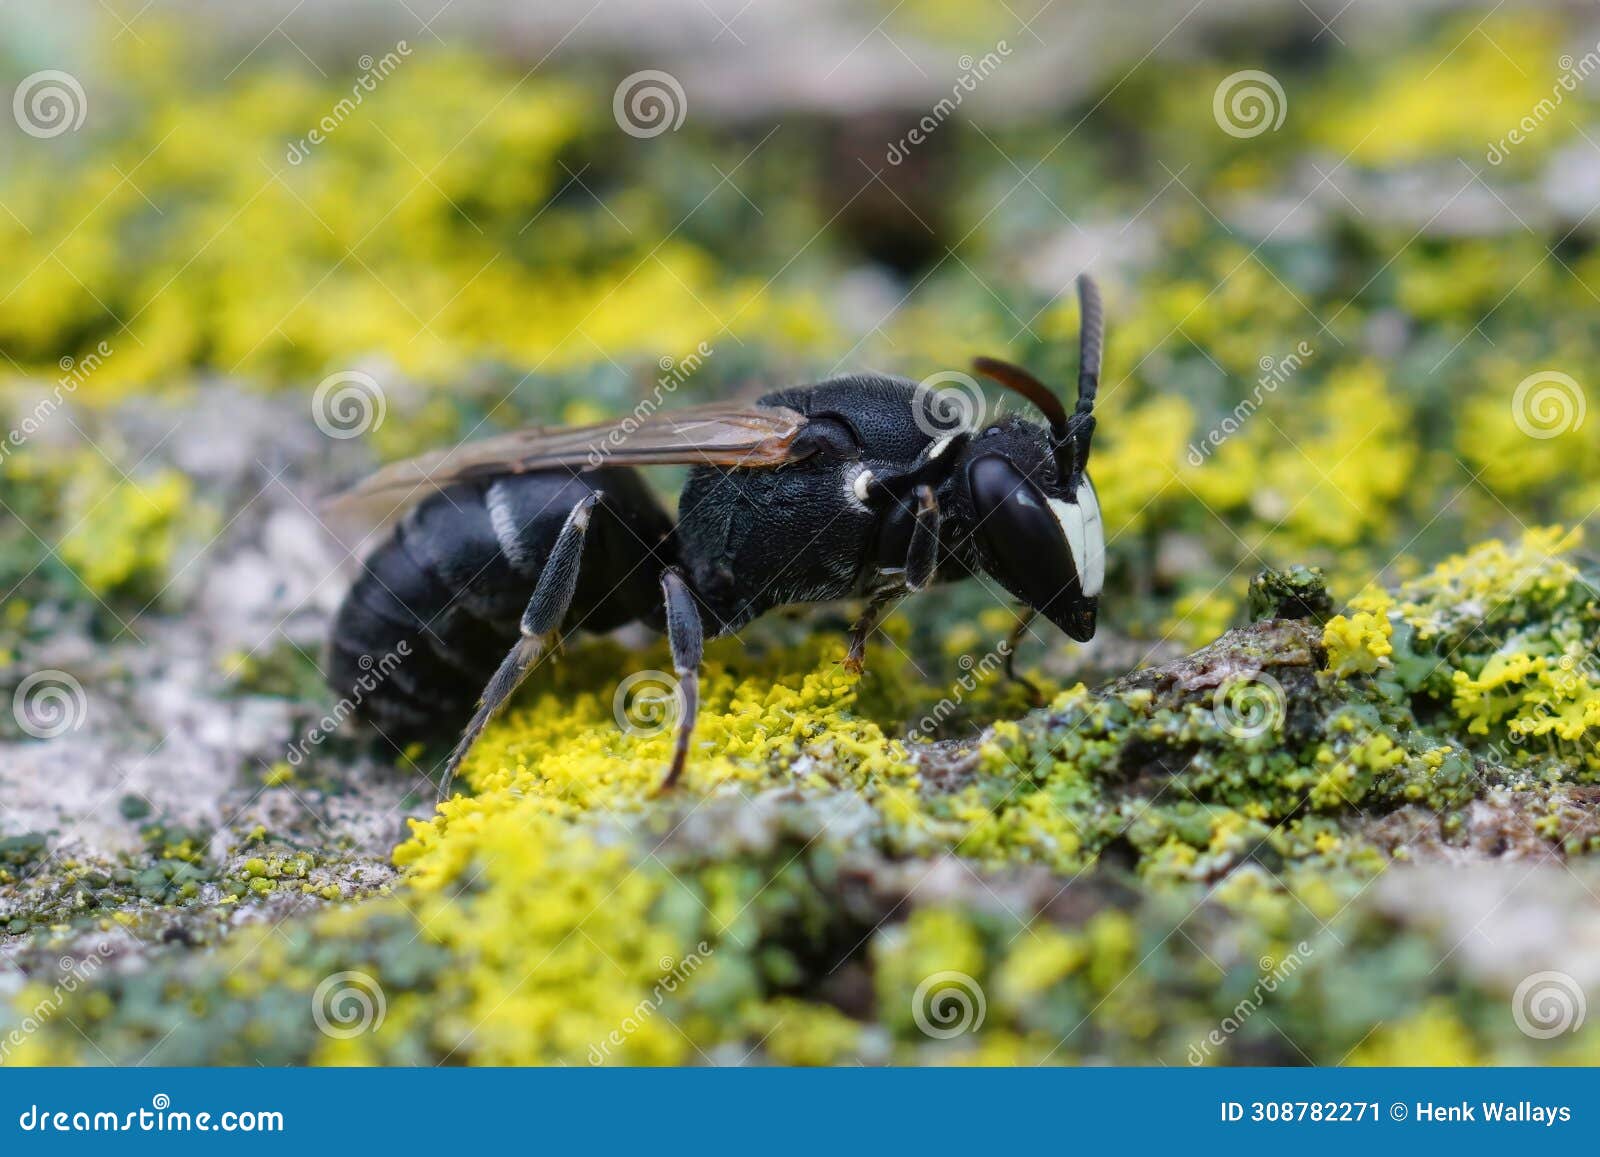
{"points": [[1028, 550]]}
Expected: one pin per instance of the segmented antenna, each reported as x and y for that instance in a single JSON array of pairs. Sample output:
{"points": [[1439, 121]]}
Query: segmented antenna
{"points": [[1091, 344], [1018, 379]]}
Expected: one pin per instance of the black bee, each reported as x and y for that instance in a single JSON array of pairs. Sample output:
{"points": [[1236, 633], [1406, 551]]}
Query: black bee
{"points": [[850, 488]]}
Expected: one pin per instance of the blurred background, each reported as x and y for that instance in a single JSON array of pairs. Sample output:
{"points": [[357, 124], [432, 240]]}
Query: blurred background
{"points": [[1335, 236]]}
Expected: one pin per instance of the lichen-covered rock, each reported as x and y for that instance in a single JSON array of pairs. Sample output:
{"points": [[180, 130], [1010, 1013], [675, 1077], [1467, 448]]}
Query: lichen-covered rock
{"points": [[1202, 862]]}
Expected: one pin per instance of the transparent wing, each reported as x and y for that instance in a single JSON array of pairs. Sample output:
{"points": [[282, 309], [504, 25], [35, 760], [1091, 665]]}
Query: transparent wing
{"points": [[718, 434]]}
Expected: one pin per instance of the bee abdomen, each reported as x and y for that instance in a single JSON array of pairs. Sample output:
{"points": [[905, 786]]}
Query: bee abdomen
{"points": [[438, 605]]}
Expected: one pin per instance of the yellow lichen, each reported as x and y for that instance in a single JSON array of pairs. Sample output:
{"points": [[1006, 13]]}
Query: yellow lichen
{"points": [[1360, 643]]}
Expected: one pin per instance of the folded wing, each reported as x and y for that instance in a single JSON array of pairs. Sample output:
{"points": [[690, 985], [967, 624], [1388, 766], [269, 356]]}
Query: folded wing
{"points": [[717, 434]]}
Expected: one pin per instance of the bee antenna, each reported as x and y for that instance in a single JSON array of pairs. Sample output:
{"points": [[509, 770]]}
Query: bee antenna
{"points": [[1018, 379], [1091, 346]]}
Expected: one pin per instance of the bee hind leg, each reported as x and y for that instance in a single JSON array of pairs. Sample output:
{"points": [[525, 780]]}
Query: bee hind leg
{"points": [[540, 626], [686, 637]]}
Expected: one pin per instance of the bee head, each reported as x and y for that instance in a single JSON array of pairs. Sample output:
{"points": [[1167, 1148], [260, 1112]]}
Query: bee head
{"points": [[1024, 489], [1035, 529]]}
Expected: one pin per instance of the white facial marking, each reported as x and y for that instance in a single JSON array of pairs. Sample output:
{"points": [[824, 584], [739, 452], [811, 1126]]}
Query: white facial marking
{"points": [[859, 486], [1094, 575], [939, 447], [1085, 534]]}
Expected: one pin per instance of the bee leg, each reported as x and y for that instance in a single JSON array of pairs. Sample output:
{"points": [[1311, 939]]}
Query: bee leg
{"points": [[866, 624], [686, 637], [1018, 632], [923, 553], [552, 598]]}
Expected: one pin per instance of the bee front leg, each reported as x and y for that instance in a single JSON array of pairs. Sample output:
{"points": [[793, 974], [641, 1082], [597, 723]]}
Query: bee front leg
{"points": [[541, 622], [922, 556], [686, 638]]}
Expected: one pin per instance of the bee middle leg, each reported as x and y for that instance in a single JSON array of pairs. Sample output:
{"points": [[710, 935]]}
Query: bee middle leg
{"points": [[541, 622], [861, 630]]}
